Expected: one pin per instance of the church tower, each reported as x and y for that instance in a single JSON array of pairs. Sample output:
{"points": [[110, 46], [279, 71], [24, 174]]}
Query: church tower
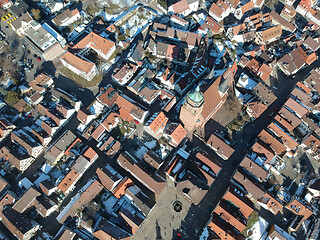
{"points": [[191, 110]]}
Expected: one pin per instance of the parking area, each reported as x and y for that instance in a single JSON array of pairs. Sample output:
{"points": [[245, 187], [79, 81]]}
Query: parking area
{"points": [[24, 60]]}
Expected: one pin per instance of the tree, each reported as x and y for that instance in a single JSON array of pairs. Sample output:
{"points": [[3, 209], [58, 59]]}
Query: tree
{"points": [[92, 9], [36, 13], [11, 98], [163, 3], [271, 3], [121, 37], [28, 108]]}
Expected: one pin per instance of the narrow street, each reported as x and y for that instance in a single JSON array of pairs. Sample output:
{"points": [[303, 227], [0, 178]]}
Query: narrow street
{"points": [[199, 215]]}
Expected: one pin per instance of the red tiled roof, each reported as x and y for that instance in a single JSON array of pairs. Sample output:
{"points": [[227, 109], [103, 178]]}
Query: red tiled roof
{"points": [[158, 122], [207, 160], [238, 199], [68, 180], [286, 139], [257, 108], [109, 96], [273, 205], [254, 169], [180, 6], [77, 62], [90, 154], [220, 146], [120, 190], [276, 146], [95, 42], [177, 133], [264, 72], [296, 107]]}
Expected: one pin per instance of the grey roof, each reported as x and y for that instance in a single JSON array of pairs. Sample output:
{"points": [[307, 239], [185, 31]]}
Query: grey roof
{"points": [[80, 164], [137, 53], [26, 200], [65, 140], [141, 200], [24, 18], [19, 8], [41, 38]]}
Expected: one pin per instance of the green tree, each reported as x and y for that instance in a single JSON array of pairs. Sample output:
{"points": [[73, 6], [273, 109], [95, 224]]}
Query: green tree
{"points": [[163, 3], [28, 108], [36, 13], [11, 98], [121, 37], [92, 9]]}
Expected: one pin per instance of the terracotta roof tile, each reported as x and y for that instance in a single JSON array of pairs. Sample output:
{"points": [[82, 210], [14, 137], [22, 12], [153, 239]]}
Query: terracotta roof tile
{"points": [[68, 180], [238, 199], [222, 148], [276, 146], [286, 138], [77, 62], [259, 172], [259, 148], [157, 122], [296, 107], [250, 186]]}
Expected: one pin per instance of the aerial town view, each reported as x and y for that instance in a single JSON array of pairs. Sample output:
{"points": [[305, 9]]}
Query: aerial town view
{"points": [[160, 119]]}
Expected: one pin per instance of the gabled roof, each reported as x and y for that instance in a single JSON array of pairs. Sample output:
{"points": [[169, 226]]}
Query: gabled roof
{"points": [[64, 16], [157, 122], [177, 133], [146, 176], [257, 108], [231, 214], [266, 96], [20, 222], [216, 10], [26, 200], [222, 148], [108, 230], [276, 146], [180, 6], [296, 107], [94, 41], [209, 161], [128, 110], [108, 176], [78, 62], [252, 167], [264, 72], [68, 180], [286, 138], [251, 187], [21, 105], [153, 159], [272, 204], [40, 82], [237, 197], [108, 96], [224, 229]]}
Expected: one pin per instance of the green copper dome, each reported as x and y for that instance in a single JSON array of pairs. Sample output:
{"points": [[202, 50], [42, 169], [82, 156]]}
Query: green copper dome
{"points": [[196, 96]]}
